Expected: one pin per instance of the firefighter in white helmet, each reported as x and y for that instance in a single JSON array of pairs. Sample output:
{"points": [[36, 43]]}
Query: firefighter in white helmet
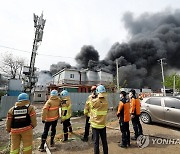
{"points": [[21, 119]]}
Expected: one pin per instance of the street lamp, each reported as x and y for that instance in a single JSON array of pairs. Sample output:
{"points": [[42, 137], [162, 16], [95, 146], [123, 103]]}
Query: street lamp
{"points": [[164, 88]]}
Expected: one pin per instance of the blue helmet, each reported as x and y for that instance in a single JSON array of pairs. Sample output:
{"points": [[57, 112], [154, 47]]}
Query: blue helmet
{"points": [[23, 97], [64, 93], [100, 89], [54, 93]]}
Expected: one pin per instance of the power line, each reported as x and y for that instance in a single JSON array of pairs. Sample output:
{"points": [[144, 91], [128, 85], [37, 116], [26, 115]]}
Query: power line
{"points": [[1, 46]]}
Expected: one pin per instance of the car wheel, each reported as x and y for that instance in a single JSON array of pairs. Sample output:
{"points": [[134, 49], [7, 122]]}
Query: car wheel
{"points": [[145, 118]]}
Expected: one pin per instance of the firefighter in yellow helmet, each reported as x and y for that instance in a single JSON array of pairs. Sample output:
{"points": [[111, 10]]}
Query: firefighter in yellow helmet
{"points": [[21, 119], [99, 108], [87, 110], [50, 116], [66, 113]]}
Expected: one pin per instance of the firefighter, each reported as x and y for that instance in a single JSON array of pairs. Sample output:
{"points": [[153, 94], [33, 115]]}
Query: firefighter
{"points": [[66, 113], [123, 115], [140, 96], [50, 116], [99, 108], [135, 113], [87, 113], [21, 119]]}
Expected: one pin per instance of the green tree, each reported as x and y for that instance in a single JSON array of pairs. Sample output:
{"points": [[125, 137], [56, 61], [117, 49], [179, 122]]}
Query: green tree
{"points": [[169, 81]]}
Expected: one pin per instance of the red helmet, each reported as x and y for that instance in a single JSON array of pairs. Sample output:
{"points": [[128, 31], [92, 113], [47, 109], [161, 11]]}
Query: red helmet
{"points": [[93, 88]]}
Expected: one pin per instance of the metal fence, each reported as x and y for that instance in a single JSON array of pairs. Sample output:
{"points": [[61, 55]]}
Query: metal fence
{"points": [[6, 103], [78, 102]]}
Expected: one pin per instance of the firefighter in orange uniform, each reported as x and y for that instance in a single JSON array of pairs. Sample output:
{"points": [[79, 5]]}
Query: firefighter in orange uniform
{"points": [[87, 110], [21, 119], [50, 116], [135, 112], [99, 108], [66, 113], [123, 114]]}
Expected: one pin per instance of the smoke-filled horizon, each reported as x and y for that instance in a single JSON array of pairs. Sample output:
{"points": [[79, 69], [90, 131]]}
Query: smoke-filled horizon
{"points": [[153, 36]]}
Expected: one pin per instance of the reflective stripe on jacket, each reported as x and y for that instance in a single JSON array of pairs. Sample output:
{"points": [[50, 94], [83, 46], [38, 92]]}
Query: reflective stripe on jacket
{"points": [[87, 108], [31, 112], [66, 108], [99, 111], [51, 109]]}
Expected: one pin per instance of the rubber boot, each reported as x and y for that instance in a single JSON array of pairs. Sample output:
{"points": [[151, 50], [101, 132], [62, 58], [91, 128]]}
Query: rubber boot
{"points": [[65, 137], [41, 147], [52, 141], [70, 129]]}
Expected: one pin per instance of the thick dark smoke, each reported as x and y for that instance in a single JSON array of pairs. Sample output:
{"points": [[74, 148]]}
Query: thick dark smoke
{"points": [[54, 68], [153, 36], [87, 55]]}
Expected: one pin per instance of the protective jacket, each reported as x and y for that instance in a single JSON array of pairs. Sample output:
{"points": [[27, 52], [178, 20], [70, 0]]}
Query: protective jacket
{"points": [[124, 110], [51, 109], [21, 117], [135, 106], [87, 108], [66, 108], [99, 111]]}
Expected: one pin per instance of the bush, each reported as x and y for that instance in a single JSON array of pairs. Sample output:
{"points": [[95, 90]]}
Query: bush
{"points": [[77, 113], [2, 93]]}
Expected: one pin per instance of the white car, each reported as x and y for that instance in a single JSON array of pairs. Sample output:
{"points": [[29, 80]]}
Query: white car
{"points": [[161, 109]]}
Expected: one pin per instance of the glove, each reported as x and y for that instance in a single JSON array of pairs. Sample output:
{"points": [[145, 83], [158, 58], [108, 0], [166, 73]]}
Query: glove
{"points": [[43, 122]]}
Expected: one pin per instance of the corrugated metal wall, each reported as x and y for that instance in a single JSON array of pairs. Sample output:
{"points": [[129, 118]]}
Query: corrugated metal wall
{"points": [[6, 103], [78, 102]]}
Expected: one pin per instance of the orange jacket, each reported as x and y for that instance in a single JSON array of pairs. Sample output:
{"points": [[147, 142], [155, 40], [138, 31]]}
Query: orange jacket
{"points": [[31, 112], [51, 109], [124, 110], [135, 106]]}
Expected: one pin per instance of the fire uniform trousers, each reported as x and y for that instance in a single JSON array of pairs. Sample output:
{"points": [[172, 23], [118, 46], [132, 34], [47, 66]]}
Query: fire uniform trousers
{"points": [[98, 121], [21, 119], [66, 115], [50, 115], [87, 110], [123, 114], [135, 111]]}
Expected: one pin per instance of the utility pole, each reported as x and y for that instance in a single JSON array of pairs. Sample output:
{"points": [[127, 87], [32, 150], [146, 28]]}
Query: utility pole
{"points": [[164, 89], [39, 24], [174, 85], [117, 74]]}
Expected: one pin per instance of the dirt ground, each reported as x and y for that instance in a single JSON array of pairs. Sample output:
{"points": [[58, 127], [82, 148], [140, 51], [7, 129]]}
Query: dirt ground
{"points": [[75, 145]]}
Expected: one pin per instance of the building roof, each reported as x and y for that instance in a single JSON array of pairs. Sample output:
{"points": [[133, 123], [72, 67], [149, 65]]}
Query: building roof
{"points": [[82, 70]]}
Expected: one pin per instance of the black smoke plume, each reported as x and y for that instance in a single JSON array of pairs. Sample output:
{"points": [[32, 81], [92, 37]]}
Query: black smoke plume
{"points": [[54, 68], [87, 55], [153, 36]]}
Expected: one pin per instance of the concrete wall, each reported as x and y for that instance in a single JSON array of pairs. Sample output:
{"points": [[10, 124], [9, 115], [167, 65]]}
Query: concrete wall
{"points": [[78, 102]]}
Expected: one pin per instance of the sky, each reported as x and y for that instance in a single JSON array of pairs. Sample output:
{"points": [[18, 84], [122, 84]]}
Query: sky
{"points": [[70, 24]]}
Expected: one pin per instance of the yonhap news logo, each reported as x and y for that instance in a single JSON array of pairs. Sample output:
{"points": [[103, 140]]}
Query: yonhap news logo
{"points": [[144, 141]]}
